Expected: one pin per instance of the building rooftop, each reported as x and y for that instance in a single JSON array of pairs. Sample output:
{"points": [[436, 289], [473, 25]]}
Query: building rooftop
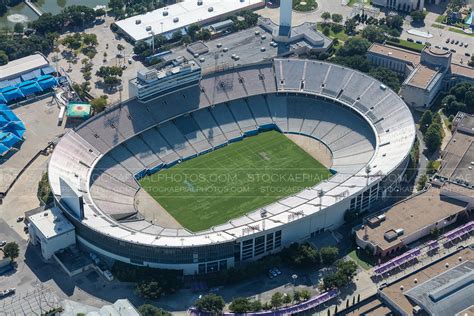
{"points": [[19, 66], [422, 77], [442, 288], [396, 53], [51, 222], [179, 15], [463, 71], [457, 158], [411, 215]]}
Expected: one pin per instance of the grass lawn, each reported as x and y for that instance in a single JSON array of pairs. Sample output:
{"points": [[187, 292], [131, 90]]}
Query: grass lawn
{"points": [[362, 260], [305, 5], [440, 18], [342, 36], [439, 26], [352, 2], [456, 30], [213, 188], [406, 44]]}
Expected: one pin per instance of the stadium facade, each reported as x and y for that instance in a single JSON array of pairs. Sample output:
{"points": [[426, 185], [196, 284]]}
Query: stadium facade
{"points": [[93, 170]]}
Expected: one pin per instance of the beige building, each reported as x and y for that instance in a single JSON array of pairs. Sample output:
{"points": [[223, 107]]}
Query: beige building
{"points": [[403, 5], [408, 221], [426, 74]]}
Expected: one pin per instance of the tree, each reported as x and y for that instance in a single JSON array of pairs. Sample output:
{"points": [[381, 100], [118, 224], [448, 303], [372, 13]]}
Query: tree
{"points": [[177, 36], [151, 290], [11, 250], [417, 16], [296, 296], [426, 120], [373, 34], [150, 310], [100, 12], [18, 28], [433, 138], [305, 295], [287, 298], [304, 255], [90, 39], [276, 300], [240, 305], [394, 22], [329, 255], [354, 46], [471, 62], [3, 58], [326, 16], [99, 104], [350, 26], [193, 29], [336, 18], [210, 303], [389, 77]]}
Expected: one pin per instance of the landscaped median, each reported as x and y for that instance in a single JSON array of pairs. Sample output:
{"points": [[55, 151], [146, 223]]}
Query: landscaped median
{"points": [[305, 5]]}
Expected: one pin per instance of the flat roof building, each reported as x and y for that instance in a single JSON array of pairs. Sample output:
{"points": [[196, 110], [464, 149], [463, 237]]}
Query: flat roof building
{"points": [[18, 67], [443, 288], [408, 221], [51, 230], [178, 16]]}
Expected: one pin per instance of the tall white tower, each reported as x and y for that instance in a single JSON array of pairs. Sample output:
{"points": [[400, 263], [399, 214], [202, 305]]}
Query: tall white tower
{"points": [[285, 13]]}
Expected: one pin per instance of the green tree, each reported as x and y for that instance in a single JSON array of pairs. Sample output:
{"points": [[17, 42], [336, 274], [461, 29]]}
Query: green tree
{"points": [[326, 16], [210, 303], [99, 104], [11, 250], [151, 290], [336, 18], [240, 305], [296, 296], [3, 58], [90, 39], [329, 255], [18, 28], [350, 26], [373, 34], [354, 46], [150, 310], [425, 120], [433, 138], [287, 298], [276, 300], [305, 295], [389, 77], [417, 16]]}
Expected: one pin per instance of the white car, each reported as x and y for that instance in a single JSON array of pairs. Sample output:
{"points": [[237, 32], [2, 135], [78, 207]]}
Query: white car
{"points": [[3, 243]]}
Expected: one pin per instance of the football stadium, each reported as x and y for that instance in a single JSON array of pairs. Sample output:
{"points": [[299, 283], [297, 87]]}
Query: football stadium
{"points": [[205, 176]]}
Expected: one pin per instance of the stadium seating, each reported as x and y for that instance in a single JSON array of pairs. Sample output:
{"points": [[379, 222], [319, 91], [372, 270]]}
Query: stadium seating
{"points": [[127, 141]]}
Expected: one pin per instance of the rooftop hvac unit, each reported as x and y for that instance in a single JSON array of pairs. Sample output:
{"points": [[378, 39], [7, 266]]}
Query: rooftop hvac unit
{"points": [[210, 9], [399, 231], [138, 21], [148, 28], [165, 13], [176, 20], [199, 2]]}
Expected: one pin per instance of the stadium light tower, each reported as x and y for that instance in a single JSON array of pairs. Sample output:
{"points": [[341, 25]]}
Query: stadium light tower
{"points": [[286, 7]]}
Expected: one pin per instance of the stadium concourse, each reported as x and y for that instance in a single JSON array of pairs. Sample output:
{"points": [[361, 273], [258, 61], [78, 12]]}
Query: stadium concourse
{"points": [[94, 169]]}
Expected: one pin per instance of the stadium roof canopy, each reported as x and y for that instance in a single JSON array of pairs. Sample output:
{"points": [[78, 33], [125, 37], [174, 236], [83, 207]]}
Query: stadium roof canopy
{"points": [[177, 16], [11, 130]]}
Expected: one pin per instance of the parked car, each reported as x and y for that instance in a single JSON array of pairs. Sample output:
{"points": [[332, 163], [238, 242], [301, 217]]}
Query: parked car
{"points": [[20, 219], [438, 47], [467, 54], [445, 48], [3, 243], [277, 271], [409, 39], [7, 292], [452, 50], [466, 45], [457, 42], [419, 42], [447, 41]]}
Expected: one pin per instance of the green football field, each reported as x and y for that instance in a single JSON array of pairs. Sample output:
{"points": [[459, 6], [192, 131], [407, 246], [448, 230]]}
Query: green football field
{"points": [[227, 183]]}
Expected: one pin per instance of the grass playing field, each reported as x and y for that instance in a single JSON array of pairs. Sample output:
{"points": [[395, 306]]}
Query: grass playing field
{"points": [[234, 180]]}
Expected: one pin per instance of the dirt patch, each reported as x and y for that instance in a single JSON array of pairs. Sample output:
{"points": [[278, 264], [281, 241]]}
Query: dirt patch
{"points": [[153, 211], [315, 148]]}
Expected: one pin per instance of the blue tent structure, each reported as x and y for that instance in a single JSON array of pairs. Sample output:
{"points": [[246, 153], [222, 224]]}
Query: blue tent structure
{"points": [[12, 130], [47, 82], [33, 82]]}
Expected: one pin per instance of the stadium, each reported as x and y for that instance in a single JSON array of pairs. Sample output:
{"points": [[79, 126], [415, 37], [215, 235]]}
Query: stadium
{"points": [[97, 170]]}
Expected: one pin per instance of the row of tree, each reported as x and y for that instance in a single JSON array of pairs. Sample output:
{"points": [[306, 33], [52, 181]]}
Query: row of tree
{"points": [[305, 255], [459, 98], [431, 126]]}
